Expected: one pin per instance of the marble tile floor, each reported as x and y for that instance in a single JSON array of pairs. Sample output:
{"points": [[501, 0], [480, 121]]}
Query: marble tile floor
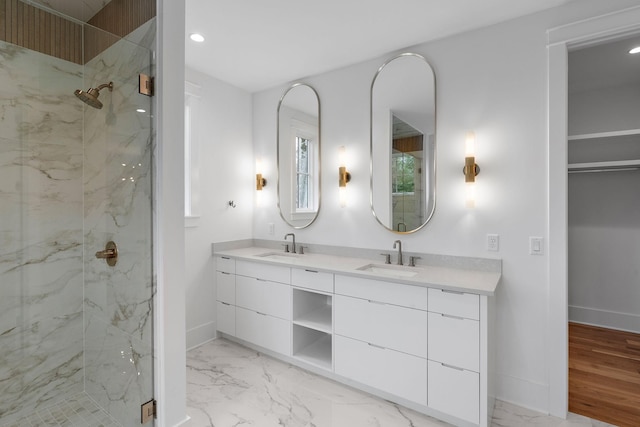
{"points": [[229, 385], [80, 411]]}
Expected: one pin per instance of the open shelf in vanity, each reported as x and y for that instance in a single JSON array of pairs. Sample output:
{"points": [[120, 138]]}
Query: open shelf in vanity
{"points": [[312, 335], [312, 328]]}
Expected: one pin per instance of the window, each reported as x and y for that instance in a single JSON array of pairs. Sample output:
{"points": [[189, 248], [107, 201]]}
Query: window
{"points": [[304, 171], [191, 157], [304, 164], [403, 173]]}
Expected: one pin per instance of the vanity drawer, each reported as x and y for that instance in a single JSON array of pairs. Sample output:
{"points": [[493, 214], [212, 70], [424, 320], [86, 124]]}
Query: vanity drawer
{"points": [[226, 318], [454, 341], [264, 297], [312, 279], [394, 372], [454, 391], [226, 264], [387, 292], [274, 273], [225, 287], [263, 330], [454, 303], [386, 325]]}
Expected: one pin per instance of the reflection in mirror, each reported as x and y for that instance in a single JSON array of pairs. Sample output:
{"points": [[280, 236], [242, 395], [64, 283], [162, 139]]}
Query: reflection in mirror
{"points": [[298, 152], [403, 138]]}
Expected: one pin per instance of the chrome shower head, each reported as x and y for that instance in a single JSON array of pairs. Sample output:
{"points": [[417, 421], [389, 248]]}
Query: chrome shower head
{"points": [[90, 97]]}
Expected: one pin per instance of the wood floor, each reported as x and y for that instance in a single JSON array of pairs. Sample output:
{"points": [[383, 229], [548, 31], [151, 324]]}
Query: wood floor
{"points": [[604, 374]]}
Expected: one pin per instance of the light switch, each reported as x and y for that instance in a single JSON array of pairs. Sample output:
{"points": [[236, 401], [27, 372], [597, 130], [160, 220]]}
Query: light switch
{"points": [[536, 246]]}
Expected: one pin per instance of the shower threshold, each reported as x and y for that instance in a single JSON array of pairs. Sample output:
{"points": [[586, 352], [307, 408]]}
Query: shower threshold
{"points": [[79, 410]]}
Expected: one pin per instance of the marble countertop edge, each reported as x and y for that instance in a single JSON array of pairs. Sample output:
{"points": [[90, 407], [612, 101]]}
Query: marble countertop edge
{"points": [[441, 277]]}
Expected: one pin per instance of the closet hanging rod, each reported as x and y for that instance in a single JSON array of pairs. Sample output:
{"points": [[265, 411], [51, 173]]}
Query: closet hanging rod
{"points": [[603, 170]]}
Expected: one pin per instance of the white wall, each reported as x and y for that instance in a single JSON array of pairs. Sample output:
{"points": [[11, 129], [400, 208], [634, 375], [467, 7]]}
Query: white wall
{"points": [[492, 81], [223, 128]]}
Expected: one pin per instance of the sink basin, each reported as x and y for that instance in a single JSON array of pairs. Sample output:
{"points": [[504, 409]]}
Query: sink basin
{"points": [[279, 256], [390, 270]]}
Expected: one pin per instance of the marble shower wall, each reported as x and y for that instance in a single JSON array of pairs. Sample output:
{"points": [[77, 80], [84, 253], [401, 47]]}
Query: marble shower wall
{"points": [[117, 206], [41, 345]]}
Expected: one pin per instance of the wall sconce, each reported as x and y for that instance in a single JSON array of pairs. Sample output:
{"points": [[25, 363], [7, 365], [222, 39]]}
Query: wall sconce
{"points": [[343, 176], [471, 169], [260, 181]]}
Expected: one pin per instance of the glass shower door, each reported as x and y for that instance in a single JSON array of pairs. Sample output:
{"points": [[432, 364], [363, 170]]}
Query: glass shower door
{"points": [[118, 298]]}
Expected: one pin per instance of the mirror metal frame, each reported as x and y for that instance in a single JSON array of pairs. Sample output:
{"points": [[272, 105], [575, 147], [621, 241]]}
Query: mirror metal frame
{"points": [[299, 227], [435, 148]]}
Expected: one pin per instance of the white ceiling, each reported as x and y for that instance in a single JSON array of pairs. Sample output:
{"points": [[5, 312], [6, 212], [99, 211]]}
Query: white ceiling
{"points": [[258, 44]]}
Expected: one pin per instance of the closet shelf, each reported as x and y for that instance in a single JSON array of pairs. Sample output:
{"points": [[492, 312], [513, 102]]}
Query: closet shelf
{"points": [[612, 134], [617, 165]]}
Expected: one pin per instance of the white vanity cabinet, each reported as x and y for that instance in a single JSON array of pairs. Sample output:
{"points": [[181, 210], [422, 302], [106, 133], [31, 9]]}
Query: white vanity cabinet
{"points": [[263, 305], [226, 295], [381, 339], [454, 353], [423, 347]]}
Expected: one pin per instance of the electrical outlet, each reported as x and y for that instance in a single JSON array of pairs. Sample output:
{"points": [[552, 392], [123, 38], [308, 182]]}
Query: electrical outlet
{"points": [[493, 242], [272, 228], [536, 246]]}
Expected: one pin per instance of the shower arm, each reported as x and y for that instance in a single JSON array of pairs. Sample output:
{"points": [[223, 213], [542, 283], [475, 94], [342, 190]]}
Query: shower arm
{"points": [[108, 85]]}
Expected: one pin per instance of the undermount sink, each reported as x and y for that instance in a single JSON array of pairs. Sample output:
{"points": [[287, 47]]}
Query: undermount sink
{"points": [[390, 270], [279, 256]]}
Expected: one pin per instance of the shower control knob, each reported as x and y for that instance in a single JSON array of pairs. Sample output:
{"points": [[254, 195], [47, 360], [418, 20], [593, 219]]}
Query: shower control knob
{"points": [[109, 254]]}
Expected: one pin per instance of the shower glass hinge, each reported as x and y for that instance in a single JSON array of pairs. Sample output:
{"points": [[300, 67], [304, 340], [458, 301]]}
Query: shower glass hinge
{"points": [[145, 85], [147, 411]]}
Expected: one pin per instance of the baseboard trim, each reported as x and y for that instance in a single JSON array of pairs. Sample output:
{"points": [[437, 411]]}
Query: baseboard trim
{"points": [[201, 334], [605, 318], [524, 393]]}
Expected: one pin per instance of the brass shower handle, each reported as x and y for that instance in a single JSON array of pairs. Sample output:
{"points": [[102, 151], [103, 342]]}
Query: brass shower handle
{"points": [[110, 253]]}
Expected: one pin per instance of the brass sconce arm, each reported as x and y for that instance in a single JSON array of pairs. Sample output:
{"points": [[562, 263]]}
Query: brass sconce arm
{"points": [[343, 176]]}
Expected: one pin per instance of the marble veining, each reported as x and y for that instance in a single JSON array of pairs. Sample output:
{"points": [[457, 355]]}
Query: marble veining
{"points": [[230, 385], [118, 301], [41, 345]]}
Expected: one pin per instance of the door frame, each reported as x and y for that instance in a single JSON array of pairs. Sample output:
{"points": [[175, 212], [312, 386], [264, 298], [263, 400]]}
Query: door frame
{"points": [[559, 41]]}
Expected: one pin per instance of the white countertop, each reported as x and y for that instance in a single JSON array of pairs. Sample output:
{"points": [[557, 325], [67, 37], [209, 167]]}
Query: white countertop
{"points": [[453, 279]]}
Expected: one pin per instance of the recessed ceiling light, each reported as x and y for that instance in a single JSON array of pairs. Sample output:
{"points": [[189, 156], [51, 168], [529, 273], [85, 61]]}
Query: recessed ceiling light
{"points": [[197, 37], [635, 50]]}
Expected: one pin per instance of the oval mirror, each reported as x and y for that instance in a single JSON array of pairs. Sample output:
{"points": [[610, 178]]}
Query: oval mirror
{"points": [[298, 155], [403, 143]]}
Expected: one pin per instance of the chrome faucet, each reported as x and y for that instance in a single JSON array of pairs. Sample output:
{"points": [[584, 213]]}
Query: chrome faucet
{"points": [[399, 243], [293, 236]]}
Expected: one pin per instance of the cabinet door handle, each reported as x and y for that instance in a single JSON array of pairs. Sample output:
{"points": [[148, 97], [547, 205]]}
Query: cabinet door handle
{"points": [[261, 314], [376, 346], [225, 257], [447, 291], [376, 302], [452, 367], [225, 273], [451, 317], [310, 271], [224, 303], [260, 280]]}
